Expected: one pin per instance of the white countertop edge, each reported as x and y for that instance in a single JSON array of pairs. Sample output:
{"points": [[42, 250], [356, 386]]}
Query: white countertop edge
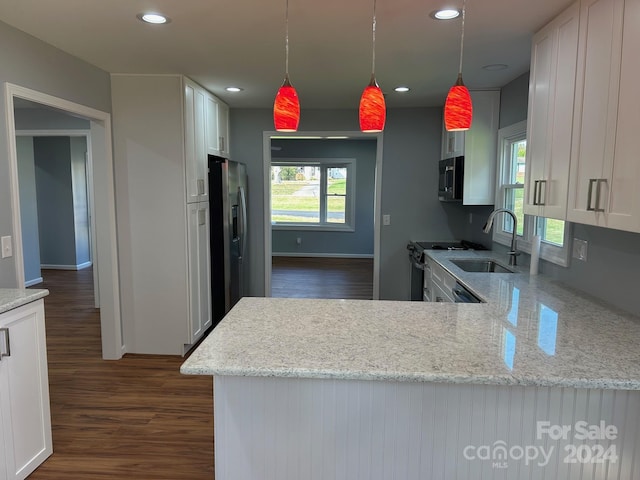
{"points": [[12, 298], [600, 383]]}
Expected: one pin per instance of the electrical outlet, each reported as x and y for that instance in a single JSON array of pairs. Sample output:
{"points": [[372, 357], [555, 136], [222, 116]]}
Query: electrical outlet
{"points": [[579, 249], [386, 219], [7, 250], [299, 241]]}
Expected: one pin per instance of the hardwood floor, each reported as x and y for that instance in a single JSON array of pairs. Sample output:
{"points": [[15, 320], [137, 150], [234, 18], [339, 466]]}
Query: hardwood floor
{"points": [[135, 418], [308, 277]]}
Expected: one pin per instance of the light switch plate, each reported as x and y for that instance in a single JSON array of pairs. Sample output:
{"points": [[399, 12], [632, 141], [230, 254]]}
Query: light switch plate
{"points": [[579, 249], [7, 250], [386, 219]]}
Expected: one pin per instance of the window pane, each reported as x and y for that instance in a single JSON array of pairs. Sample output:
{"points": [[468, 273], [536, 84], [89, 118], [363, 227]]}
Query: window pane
{"points": [[336, 194], [335, 209], [514, 201], [551, 230], [295, 194], [517, 162]]}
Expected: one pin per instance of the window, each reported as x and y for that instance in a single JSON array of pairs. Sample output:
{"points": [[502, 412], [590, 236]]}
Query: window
{"points": [[554, 234], [313, 193]]}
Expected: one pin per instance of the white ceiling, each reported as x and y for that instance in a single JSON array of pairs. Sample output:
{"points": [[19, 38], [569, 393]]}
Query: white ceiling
{"points": [[220, 43]]}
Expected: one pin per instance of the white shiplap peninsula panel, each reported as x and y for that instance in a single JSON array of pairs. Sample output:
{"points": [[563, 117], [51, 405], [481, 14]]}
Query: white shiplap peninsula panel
{"points": [[270, 428]]}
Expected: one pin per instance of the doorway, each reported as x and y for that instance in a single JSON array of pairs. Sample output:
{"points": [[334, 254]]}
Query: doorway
{"points": [[101, 178], [55, 209], [327, 233]]}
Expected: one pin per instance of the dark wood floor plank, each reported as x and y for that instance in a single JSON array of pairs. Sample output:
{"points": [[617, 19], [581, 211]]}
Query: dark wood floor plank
{"points": [[135, 418], [320, 277]]}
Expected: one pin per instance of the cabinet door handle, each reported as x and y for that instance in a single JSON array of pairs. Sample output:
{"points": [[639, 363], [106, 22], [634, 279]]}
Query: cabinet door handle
{"points": [[540, 201], [536, 183], [7, 343], [598, 182]]}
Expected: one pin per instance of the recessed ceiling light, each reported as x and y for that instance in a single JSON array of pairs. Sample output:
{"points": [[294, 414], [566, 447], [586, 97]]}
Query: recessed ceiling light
{"points": [[234, 89], [402, 89], [495, 67], [445, 14], [154, 18]]}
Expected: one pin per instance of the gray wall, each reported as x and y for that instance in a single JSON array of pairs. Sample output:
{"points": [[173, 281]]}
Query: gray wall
{"points": [[55, 201], [32, 63], [78, 151], [411, 150], [28, 209], [47, 119], [359, 242], [514, 98]]}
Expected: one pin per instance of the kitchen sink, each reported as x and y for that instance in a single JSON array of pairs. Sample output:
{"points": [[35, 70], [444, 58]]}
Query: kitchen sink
{"points": [[485, 265]]}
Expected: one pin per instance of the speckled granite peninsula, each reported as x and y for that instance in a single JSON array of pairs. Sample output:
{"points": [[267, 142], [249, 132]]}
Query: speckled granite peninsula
{"points": [[369, 380], [11, 298]]}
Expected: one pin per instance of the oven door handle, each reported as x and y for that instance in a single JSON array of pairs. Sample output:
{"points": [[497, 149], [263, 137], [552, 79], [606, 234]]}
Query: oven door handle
{"points": [[416, 264]]}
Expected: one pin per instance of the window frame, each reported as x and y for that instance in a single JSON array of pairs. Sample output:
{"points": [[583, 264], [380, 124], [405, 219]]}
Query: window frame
{"points": [[548, 251], [350, 195]]}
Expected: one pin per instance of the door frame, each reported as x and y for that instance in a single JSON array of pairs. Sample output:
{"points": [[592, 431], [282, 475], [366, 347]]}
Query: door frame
{"points": [[104, 218], [266, 155]]}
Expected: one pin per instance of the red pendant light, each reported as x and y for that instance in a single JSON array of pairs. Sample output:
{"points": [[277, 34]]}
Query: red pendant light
{"points": [[458, 109], [286, 107], [373, 111]]}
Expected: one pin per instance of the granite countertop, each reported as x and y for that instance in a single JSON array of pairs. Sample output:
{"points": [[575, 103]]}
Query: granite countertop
{"points": [[530, 331], [11, 298]]}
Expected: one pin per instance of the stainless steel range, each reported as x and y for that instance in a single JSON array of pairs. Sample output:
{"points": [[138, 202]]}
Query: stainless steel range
{"points": [[419, 267]]}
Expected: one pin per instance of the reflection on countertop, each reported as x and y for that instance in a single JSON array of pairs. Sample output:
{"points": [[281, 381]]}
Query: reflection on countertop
{"points": [[531, 331]]}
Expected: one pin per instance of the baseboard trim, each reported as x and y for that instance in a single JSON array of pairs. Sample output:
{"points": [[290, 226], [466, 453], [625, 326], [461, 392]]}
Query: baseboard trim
{"points": [[81, 266], [35, 281], [322, 255]]}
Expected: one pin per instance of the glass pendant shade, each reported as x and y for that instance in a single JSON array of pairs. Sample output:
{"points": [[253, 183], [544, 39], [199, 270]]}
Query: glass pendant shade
{"points": [[373, 112], [458, 109], [286, 108]]}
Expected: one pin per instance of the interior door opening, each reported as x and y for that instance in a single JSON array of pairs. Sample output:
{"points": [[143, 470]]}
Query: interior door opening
{"points": [[100, 193]]}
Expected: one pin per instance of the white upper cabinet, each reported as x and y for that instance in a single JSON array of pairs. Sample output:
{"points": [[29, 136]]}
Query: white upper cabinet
{"points": [[452, 144], [480, 149], [478, 145], [195, 142], [223, 130], [604, 168], [550, 115], [217, 113]]}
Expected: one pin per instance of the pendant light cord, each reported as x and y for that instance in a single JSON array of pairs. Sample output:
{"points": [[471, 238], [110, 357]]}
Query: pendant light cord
{"points": [[286, 41], [461, 36], [373, 31]]}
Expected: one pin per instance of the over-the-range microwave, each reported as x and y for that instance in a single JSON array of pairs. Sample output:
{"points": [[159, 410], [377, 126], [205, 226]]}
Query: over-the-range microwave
{"points": [[451, 179]]}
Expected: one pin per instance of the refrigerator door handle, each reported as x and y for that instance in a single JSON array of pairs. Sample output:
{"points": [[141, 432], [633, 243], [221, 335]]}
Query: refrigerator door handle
{"points": [[242, 200]]}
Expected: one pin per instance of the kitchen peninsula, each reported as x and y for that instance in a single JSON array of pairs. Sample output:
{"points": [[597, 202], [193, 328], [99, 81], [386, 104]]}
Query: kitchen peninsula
{"points": [[338, 389]]}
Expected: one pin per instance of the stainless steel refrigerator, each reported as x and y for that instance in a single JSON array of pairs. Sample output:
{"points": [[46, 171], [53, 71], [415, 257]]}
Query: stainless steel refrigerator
{"points": [[228, 234]]}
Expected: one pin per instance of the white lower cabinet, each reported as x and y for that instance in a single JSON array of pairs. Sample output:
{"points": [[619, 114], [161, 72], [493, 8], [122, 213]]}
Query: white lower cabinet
{"points": [[25, 418], [200, 313], [442, 283]]}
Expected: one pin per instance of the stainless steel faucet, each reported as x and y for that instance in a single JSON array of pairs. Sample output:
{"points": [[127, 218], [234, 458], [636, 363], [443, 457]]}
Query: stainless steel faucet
{"points": [[513, 253]]}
